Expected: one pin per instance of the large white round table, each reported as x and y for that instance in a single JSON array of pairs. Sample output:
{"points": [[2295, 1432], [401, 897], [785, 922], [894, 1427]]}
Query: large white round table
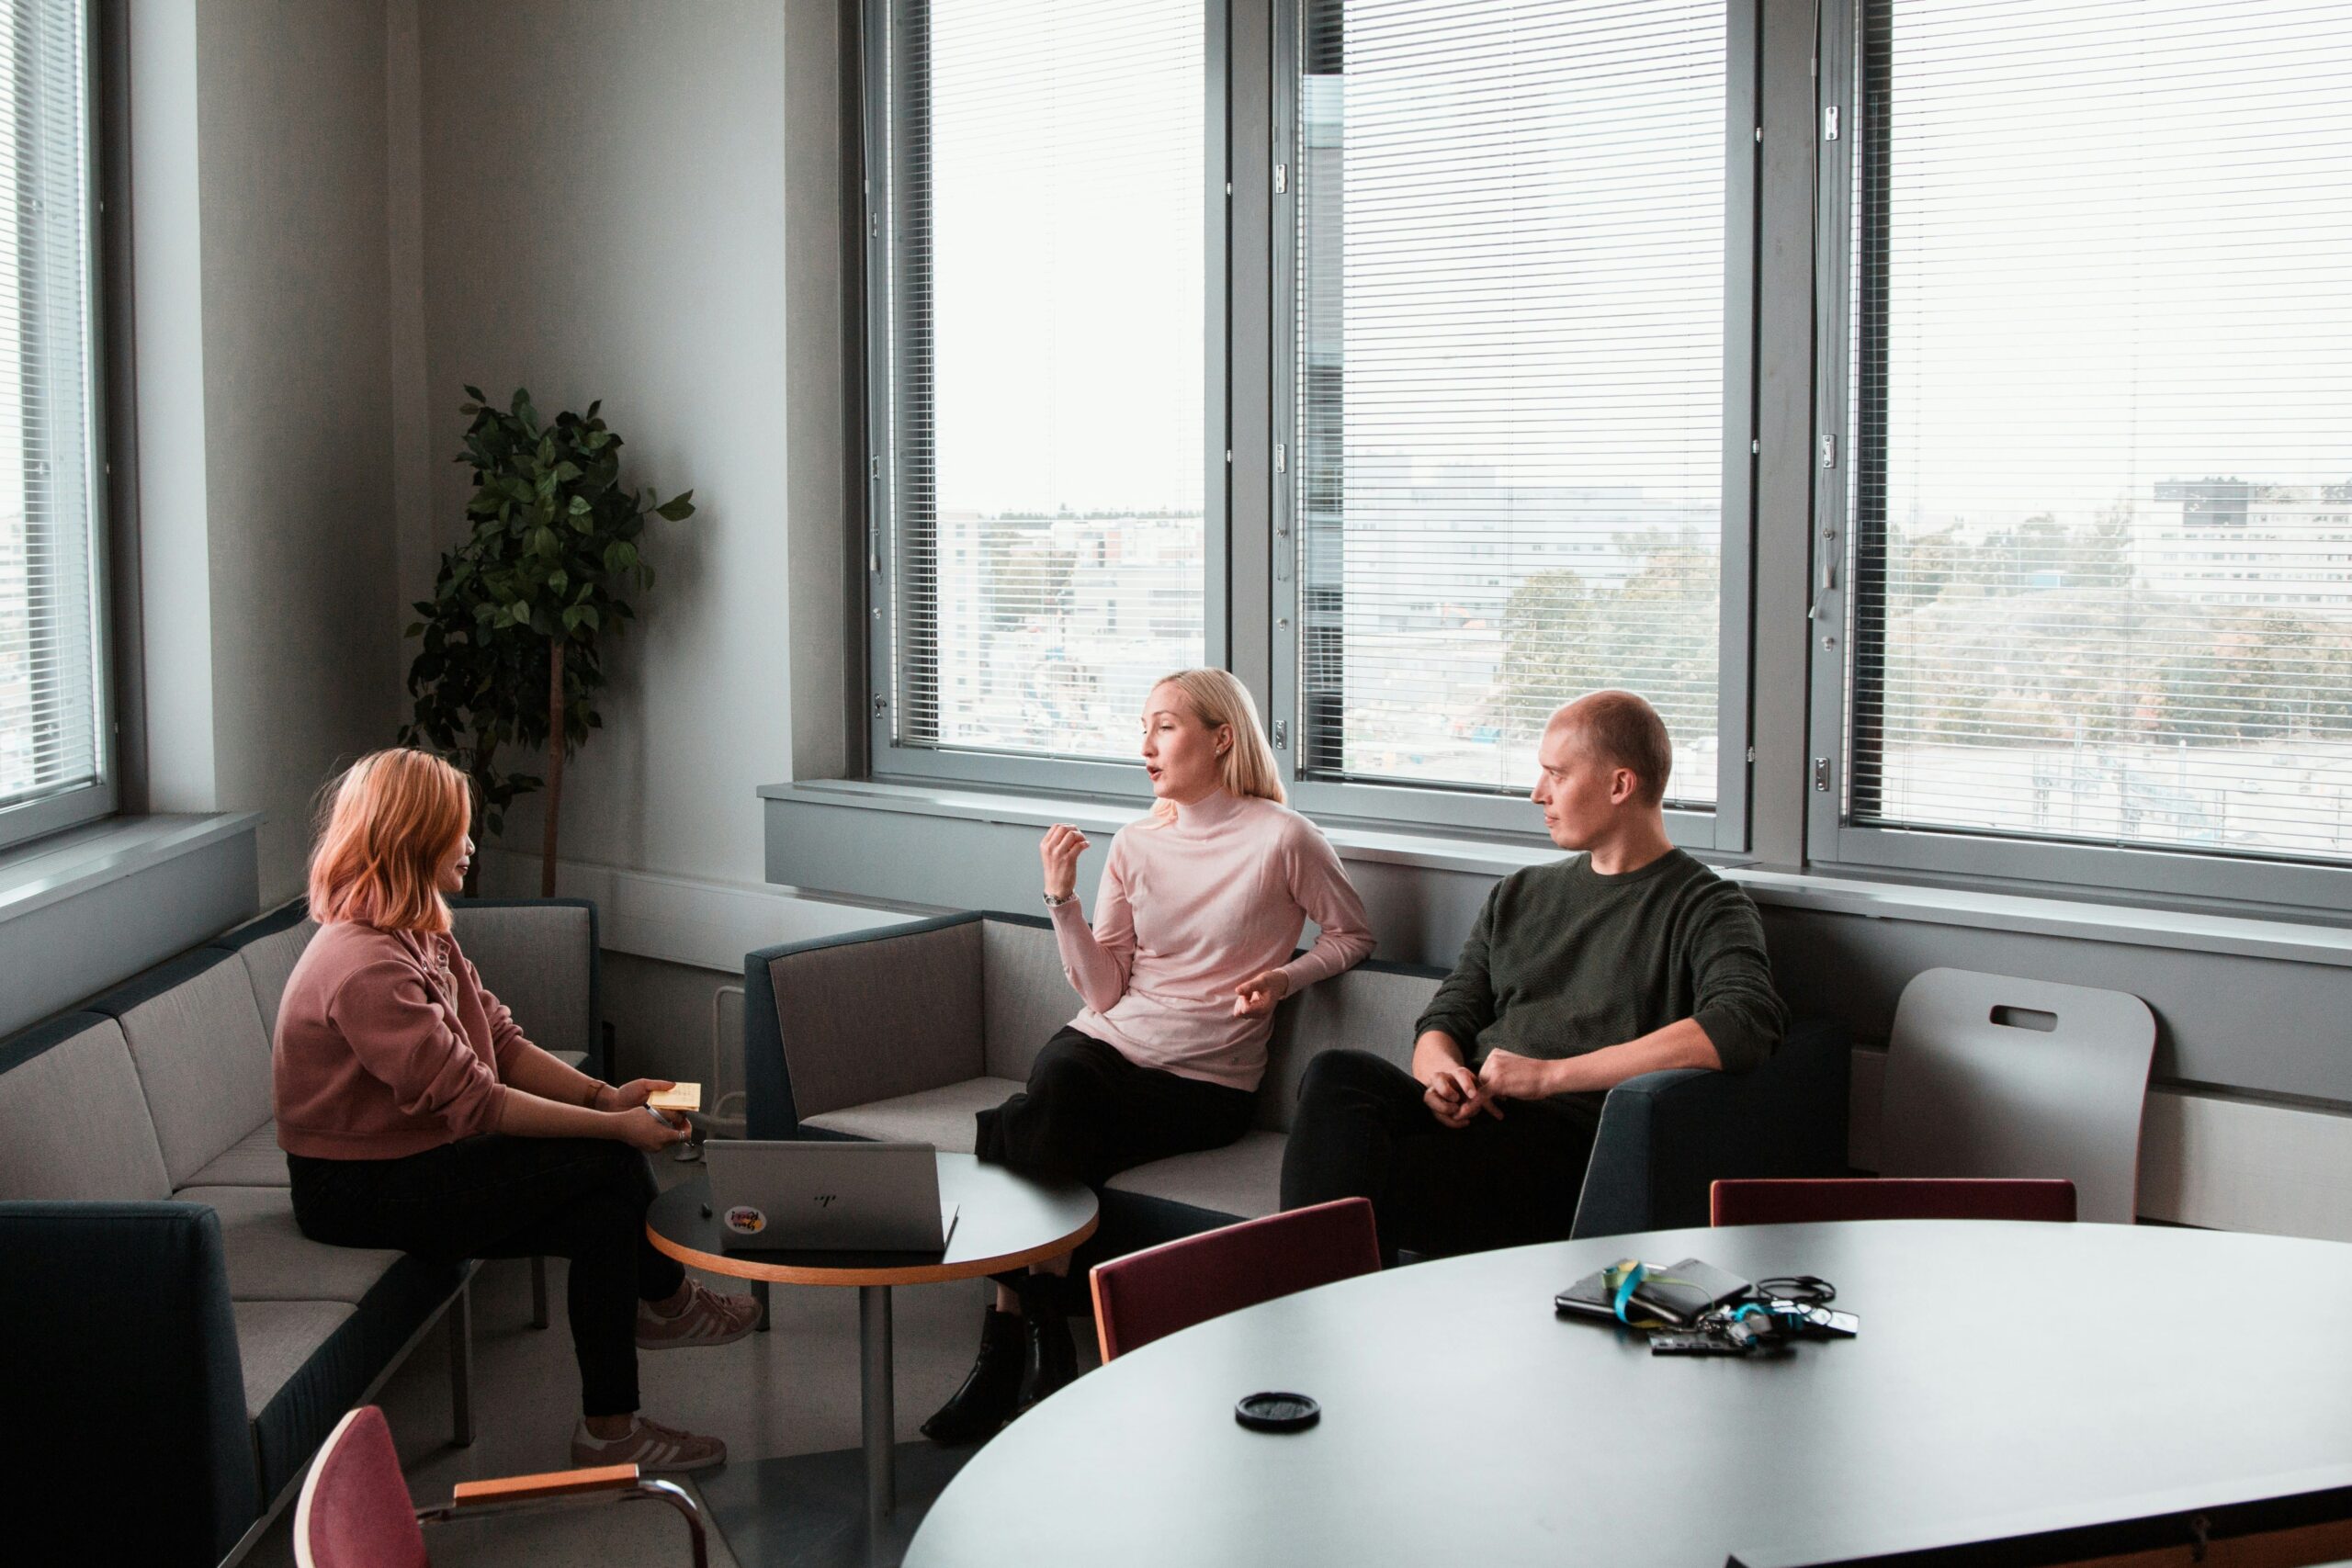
{"points": [[2008, 1378]]}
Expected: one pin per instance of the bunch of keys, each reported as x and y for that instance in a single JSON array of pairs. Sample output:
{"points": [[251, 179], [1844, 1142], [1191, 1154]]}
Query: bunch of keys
{"points": [[1738, 1328]]}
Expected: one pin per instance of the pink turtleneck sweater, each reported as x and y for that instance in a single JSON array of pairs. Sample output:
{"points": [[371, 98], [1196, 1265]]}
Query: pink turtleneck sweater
{"points": [[1189, 909]]}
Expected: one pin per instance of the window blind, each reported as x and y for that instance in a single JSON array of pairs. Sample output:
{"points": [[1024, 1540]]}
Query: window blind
{"points": [[1509, 372], [51, 707], [2102, 412], [1046, 377]]}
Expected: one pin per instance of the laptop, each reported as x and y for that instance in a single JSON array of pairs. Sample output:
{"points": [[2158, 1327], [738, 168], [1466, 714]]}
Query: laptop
{"points": [[818, 1197]]}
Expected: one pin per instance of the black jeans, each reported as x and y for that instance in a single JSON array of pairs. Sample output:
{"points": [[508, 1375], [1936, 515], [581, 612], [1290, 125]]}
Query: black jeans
{"points": [[1362, 1130], [496, 1196], [1090, 1113]]}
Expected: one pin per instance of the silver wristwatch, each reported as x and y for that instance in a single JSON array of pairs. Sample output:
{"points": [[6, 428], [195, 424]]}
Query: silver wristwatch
{"points": [[1053, 903]]}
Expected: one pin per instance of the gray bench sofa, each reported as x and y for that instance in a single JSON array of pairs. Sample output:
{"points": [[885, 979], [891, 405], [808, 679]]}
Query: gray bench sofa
{"points": [[177, 1348], [903, 1033]]}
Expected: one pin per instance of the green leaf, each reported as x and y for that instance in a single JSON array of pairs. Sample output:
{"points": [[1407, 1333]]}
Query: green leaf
{"points": [[415, 628], [558, 579], [580, 507], [475, 394], [677, 508]]}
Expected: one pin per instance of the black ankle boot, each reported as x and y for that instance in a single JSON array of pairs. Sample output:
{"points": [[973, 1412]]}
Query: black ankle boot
{"points": [[1050, 1359], [986, 1401]]}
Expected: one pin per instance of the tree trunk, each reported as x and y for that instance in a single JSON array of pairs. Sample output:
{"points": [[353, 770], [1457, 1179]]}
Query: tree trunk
{"points": [[485, 751], [555, 766]]}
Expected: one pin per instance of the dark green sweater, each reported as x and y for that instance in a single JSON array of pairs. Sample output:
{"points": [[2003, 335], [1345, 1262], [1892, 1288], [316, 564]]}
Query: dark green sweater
{"points": [[1564, 960]]}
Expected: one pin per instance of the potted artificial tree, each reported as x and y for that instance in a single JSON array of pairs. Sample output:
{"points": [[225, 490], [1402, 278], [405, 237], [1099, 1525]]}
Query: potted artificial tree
{"points": [[511, 641]]}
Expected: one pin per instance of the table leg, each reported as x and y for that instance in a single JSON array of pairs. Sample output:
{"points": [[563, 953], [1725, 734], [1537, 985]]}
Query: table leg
{"points": [[875, 1414], [760, 1295]]}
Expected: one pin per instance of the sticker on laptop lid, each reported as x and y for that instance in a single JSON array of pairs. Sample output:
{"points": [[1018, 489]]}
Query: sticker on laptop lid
{"points": [[744, 1220]]}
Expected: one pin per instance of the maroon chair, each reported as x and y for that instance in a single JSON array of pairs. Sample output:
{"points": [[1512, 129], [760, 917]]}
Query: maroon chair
{"points": [[355, 1512], [1149, 1295], [1888, 1197]]}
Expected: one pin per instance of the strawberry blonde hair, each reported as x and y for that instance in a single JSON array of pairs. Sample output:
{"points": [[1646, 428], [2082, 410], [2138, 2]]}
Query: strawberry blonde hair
{"points": [[388, 824]]}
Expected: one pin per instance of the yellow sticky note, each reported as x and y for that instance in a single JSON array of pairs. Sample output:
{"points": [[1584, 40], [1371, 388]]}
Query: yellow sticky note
{"points": [[683, 1097]]}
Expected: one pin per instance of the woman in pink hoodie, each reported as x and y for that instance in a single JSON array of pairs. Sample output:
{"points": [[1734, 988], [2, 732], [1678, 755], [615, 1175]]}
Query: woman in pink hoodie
{"points": [[415, 1115], [1195, 922]]}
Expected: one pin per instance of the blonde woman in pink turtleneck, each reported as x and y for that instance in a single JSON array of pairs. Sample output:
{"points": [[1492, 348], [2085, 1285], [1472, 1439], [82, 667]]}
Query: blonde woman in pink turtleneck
{"points": [[1200, 909]]}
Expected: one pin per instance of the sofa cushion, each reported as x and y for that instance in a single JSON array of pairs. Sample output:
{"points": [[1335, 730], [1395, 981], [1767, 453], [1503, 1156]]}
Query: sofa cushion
{"points": [[268, 948], [72, 1122], [855, 1034], [271, 1260], [253, 1160], [274, 1338], [940, 1117], [203, 1057], [1244, 1179], [1027, 996], [1371, 1008], [330, 1378], [536, 958]]}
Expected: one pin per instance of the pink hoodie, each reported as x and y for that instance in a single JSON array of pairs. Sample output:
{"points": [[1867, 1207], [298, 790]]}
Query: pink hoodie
{"points": [[388, 1045]]}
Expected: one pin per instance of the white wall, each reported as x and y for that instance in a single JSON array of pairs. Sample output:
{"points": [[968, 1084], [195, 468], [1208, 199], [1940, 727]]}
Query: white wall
{"points": [[603, 199], [260, 247]]}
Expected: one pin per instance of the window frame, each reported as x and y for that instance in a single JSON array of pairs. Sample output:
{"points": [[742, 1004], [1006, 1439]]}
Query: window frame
{"points": [[76, 805], [1726, 828], [877, 538], [1834, 841]]}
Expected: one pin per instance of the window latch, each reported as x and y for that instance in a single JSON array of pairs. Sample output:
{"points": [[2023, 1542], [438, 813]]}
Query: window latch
{"points": [[1281, 735], [1829, 123], [1821, 775], [1281, 178]]}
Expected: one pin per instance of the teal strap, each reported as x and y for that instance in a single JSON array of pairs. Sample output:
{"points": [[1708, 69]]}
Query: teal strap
{"points": [[1634, 1277]]}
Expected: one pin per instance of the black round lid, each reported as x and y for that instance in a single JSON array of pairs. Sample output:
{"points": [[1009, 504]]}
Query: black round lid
{"points": [[1277, 1412]]}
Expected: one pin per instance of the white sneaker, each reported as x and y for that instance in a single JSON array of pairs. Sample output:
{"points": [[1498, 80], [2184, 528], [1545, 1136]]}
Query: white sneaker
{"points": [[650, 1446]]}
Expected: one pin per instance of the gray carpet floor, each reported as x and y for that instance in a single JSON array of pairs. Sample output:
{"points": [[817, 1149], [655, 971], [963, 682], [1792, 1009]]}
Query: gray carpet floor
{"points": [[793, 1390]]}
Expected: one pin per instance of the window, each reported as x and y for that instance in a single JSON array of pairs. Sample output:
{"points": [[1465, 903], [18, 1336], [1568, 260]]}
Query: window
{"points": [[1042, 534], [1520, 421], [2098, 321], [54, 760]]}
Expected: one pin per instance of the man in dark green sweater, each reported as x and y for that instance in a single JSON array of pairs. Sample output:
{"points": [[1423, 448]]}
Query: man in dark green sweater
{"points": [[1627, 959]]}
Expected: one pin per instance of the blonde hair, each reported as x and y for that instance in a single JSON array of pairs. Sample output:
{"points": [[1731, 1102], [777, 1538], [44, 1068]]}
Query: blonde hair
{"points": [[388, 824], [1247, 769]]}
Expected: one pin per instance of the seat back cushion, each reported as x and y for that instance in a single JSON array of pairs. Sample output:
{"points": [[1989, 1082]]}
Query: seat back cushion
{"points": [[1371, 1008], [72, 1122], [537, 959], [867, 1020], [1028, 998], [269, 961], [196, 1037]]}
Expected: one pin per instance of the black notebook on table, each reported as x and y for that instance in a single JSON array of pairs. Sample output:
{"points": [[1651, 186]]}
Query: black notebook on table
{"points": [[1678, 1294]]}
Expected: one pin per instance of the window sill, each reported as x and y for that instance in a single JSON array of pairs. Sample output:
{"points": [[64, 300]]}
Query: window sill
{"points": [[96, 904], [51, 870], [1874, 899]]}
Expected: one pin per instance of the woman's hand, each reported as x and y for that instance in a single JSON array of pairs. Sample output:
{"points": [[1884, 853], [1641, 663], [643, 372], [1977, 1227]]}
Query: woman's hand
{"points": [[647, 1130], [630, 1095], [1256, 997], [1060, 850]]}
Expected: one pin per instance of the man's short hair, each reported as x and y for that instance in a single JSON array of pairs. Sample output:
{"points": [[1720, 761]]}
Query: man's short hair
{"points": [[1627, 731]]}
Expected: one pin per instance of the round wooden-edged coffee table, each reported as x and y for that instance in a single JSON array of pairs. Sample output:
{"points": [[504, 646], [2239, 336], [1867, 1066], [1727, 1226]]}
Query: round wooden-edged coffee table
{"points": [[774, 1510]]}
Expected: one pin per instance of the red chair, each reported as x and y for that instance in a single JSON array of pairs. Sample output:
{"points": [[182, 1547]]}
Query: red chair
{"points": [[354, 1513], [1149, 1295], [1888, 1197]]}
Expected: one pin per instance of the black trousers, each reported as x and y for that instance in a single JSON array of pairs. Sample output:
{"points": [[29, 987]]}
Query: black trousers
{"points": [[496, 1196], [1362, 1130], [1090, 1113]]}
